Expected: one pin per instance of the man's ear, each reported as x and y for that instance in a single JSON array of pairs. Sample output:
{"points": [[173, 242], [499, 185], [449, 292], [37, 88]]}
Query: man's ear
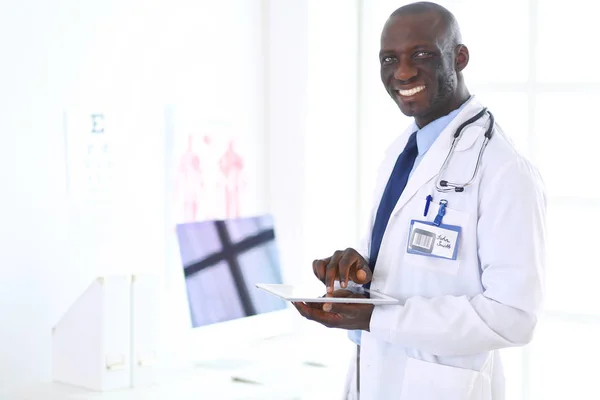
{"points": [[462, 57]]}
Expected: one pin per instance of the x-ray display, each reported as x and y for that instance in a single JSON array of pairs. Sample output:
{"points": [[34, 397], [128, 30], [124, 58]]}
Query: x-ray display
{"points": [[222, 261]]}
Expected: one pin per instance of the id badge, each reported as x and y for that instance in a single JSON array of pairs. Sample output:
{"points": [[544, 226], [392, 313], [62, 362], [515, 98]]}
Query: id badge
{"points": [[433, 240]]}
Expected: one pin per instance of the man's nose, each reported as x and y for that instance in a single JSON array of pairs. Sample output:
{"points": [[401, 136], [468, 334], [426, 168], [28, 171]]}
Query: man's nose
{"points": [[406, 70]]}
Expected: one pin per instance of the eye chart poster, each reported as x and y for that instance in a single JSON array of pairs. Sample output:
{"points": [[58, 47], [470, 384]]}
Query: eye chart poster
{"points": [[115, 187], [89, 137]]}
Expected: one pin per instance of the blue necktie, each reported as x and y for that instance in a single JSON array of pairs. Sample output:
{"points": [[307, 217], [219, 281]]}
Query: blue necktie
{"points": [[391, 194]]}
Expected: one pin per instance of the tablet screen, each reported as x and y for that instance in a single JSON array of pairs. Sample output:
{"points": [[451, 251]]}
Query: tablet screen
{"points": [[318, 295]]}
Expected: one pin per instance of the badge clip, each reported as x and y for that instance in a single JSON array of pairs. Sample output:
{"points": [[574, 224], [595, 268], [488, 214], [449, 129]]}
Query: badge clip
{"points": [[441, 212]]}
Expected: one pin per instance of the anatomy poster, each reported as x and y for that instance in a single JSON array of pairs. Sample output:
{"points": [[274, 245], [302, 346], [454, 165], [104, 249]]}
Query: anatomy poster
{"points": [[208, 170]]}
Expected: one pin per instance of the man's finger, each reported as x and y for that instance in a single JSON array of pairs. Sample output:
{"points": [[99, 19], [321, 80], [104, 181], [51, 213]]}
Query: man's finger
{"points": [[347, 262], [332, 271], [301, 307], [361, 272], [338, 293], [343, 309], [306, 309], [358, 296], [319, 268], [343, 293], [317, 315]]}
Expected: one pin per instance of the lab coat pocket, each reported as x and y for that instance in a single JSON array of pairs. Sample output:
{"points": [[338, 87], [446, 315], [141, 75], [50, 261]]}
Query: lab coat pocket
{"points": [[443, 265], [428, 381]]}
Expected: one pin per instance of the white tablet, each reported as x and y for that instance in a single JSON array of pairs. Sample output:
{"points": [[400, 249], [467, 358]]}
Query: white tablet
{"points": [[311, 295]]}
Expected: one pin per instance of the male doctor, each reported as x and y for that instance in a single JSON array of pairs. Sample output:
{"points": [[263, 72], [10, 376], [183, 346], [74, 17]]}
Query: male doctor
{"points": [[468, 266]]}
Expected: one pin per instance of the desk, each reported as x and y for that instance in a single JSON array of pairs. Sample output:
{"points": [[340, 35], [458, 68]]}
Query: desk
{"points": [[286, 368]]}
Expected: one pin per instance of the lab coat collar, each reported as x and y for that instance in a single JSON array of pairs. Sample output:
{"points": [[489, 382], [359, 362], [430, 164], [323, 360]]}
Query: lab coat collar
{"points": [[429, 167]]}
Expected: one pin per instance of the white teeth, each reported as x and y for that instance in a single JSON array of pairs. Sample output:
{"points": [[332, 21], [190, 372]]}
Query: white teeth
{"points": [[411, 92]]}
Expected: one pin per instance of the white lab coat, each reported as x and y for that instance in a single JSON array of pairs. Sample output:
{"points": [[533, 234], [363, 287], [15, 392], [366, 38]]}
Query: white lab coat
{"points": [[442, 342]]}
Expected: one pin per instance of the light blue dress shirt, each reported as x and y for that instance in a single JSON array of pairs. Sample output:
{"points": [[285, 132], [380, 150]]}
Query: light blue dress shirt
{"points": [[426, 136]]}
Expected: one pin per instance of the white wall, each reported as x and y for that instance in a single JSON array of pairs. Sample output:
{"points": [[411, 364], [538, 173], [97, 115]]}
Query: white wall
{"points": [[332, 130], [313, 129], [276, 69], [287, 105], [45, 46], [129, 55]]}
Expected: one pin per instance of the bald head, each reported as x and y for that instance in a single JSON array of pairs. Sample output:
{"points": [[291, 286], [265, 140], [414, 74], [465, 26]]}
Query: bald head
{"points": [[445, 20]]}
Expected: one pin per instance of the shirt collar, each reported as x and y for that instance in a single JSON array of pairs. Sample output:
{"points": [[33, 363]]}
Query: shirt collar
{"points": [[427, 135]]}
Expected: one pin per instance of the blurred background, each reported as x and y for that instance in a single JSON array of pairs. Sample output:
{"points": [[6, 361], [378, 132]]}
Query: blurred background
{"points": [[231, 108]]}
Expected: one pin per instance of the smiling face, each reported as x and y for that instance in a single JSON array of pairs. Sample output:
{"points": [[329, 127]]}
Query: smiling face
{"points": [[420, 65]]}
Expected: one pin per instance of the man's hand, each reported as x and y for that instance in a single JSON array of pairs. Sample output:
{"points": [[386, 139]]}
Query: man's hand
{"points": [[338, 315], [343, 265]]}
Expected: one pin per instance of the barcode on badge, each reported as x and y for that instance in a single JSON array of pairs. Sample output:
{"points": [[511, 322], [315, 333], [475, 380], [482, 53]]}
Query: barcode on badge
{"points": [[423, 240]]}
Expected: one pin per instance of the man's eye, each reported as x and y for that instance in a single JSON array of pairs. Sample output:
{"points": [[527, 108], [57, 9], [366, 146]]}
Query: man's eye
{"points": [[422, 54], [387, 60]]}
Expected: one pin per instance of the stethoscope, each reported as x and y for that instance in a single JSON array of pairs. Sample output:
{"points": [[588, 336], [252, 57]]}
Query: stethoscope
{"points": [[446, 186]]}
